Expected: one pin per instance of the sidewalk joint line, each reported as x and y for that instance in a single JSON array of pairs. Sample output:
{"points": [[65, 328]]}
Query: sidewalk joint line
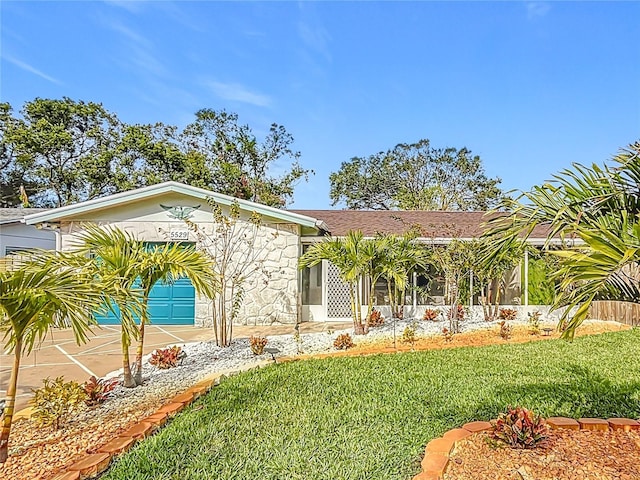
{"points": [[169, 333], [76, 362]]}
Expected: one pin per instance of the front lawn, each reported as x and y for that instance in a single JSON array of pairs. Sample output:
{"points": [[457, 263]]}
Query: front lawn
{"points": [[369, 418]]}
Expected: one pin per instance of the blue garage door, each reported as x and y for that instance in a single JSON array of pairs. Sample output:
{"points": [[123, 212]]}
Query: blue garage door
{"points": [[169, 304], [172, 304]]}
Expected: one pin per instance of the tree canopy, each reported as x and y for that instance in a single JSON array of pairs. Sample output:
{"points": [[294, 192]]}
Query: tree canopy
{"points": [[416, 176], [62, 151]]}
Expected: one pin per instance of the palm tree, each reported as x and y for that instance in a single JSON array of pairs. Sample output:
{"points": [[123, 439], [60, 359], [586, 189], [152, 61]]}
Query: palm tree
{"points": [[596, 209], [117, 258], [401, 256], [166, 264], [351, 255], [35, 296], [133, 269], [490, 270]]}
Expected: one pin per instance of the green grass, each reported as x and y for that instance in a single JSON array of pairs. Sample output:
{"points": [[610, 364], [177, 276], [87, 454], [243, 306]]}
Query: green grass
{"points": [[370, 418]]}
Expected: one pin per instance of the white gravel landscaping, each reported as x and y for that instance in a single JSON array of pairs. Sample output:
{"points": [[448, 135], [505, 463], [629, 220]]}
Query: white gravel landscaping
{"points": [[205, 358]]}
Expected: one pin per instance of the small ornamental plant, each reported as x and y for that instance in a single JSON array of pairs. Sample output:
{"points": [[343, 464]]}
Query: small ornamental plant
{"points": [[375, 319], [461, 313], [508, 314], [520, 428], [97, 390], [430, 315], [534, 322], [164, 358], [343, 342], [505, 330], [447, 334], [257, 344], [56, 401], [409, 335]]}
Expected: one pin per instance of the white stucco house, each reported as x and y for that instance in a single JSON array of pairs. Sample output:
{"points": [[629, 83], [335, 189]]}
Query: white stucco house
{"points": [[153, 214], [16, 236]]}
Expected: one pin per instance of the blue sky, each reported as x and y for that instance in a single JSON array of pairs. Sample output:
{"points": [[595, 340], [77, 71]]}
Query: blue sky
{"points": [[529, 86]]}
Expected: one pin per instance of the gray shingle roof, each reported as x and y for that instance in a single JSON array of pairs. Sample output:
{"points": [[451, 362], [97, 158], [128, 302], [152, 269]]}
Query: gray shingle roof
{"points": [[8, 215]]}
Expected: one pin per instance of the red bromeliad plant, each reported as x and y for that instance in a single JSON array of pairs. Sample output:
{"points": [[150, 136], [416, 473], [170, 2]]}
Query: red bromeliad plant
{"points": [[97, 390], [508, 314], [343, 342], [166, 357], [430, 314], [375, 318], [520, 428], [257, 344]]}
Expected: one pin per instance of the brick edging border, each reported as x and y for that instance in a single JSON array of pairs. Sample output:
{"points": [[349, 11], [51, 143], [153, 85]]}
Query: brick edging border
{"points": [[434, 463], [436, 456], [92, 464]]}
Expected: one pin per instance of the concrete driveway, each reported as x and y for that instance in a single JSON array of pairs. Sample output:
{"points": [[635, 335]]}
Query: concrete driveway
{"points": [[59, 354]]}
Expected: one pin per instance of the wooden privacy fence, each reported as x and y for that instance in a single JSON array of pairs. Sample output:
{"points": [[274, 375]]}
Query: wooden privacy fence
{"points": [[623, 312]]}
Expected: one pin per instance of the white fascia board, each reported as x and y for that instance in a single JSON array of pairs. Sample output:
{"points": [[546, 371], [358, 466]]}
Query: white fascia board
{"points": [[58, 214]]}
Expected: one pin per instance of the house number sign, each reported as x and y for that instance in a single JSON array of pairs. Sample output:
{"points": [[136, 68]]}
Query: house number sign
{"points": [[179, 235]]}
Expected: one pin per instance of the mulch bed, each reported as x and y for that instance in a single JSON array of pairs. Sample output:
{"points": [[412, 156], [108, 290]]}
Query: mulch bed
{"points": [[565, 454]]}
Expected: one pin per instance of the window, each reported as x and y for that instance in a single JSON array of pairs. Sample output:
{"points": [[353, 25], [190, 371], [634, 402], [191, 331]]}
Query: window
{"points": [[312, 284]]}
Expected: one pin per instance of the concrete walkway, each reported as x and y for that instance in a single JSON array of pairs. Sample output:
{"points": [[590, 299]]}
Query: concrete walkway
{"points": [[59, 354]]}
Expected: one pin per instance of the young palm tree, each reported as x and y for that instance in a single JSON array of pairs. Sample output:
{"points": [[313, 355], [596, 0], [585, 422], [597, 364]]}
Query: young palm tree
{"points": [[116, 263], [34, 297], [132, 270], [166, 264], [600, 208], [401, 256], [351, 255]]}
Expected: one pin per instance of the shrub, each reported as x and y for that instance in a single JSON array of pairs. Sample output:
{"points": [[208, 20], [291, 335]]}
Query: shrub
{"points": [[430, 314], [343, 342], [258, 343], [534, 322], [508, 314], [460, 312], [166, 357], [97, 390], [505, 330], [409, 335], [520, 428], [56, 401], [447, 334], [375, 319]]}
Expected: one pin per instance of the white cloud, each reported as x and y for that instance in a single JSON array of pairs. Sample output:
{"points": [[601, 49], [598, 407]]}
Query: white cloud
{"points": [[129, 5], [316, 38], [537, 9], [31, 69], [130, 34], [238, 93], [139, 50]]}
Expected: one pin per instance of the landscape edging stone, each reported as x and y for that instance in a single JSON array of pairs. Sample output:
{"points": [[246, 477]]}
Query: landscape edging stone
{"points": [[434, 467]]}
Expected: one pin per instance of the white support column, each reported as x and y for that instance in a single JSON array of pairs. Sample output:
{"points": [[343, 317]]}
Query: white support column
{"points": [[526, 278], [415, 292], [471, 288]]}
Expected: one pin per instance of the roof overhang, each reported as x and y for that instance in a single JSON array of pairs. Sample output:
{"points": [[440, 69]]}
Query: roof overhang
{"points": [[118, 199]]}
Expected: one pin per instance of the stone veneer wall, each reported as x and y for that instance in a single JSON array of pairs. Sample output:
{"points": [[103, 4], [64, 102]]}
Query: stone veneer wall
{"points": [[274, 299], [266, 301]]}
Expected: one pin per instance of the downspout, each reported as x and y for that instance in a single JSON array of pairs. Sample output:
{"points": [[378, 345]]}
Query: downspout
{"points": [[58, 235]]}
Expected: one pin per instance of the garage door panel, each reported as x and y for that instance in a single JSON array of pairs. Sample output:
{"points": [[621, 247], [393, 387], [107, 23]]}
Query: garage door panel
{"points": [[183, 311], [169, 304]]}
